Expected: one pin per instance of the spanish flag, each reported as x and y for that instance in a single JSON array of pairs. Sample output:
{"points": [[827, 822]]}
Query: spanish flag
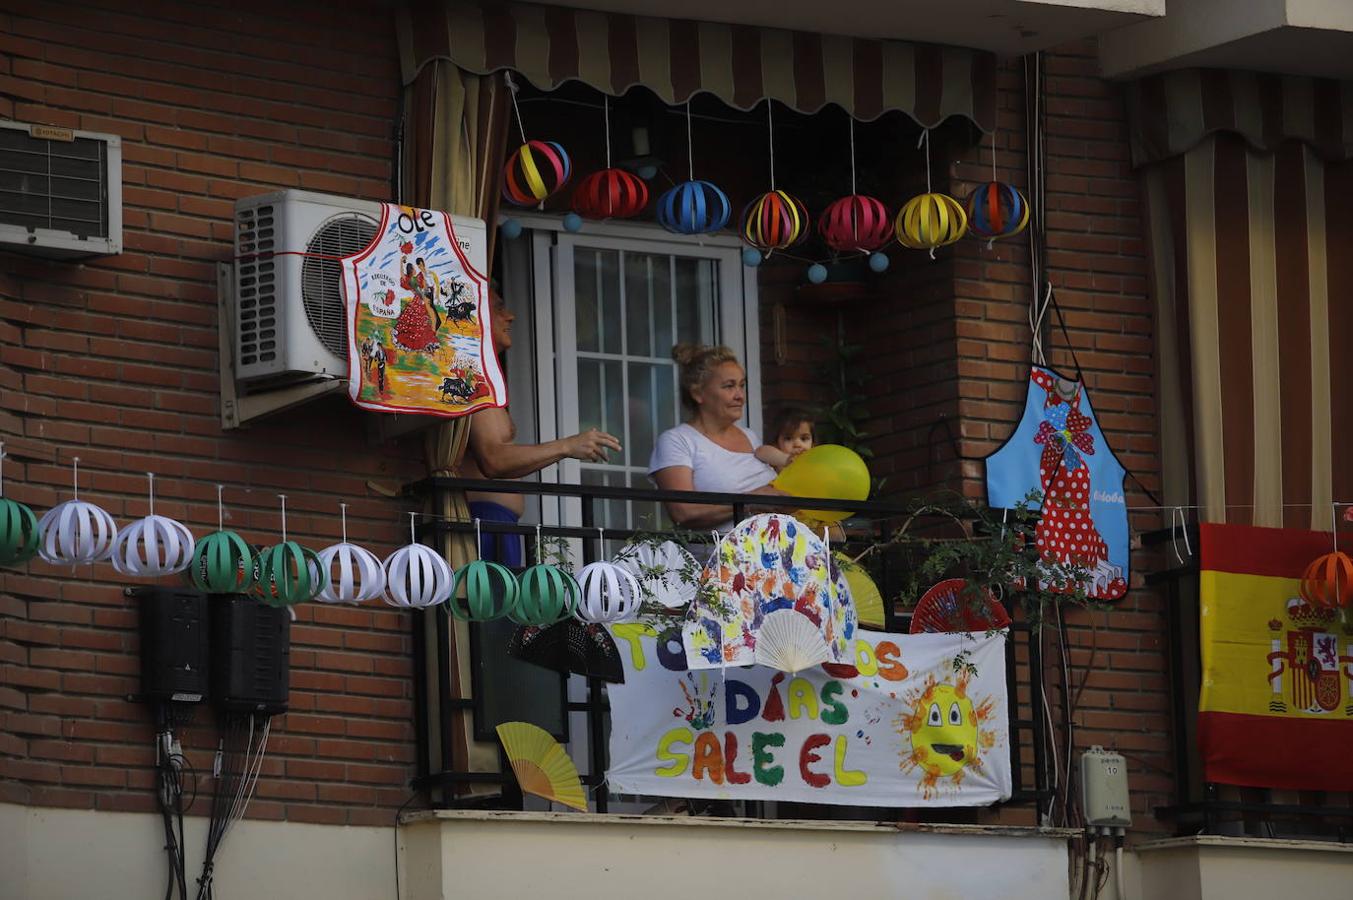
{"points": [[1275, 709]]}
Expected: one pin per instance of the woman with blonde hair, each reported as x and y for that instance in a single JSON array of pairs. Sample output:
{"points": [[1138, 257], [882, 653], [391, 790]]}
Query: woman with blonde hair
{"points": [[711, 451]]}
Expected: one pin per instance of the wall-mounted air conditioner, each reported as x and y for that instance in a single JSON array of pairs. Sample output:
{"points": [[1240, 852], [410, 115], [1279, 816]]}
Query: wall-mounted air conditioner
{"points": [[289, 315], [60, 191]]}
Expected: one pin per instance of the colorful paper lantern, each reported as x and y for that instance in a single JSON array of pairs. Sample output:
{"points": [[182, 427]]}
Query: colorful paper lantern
{"points": [[287, 574], [546, 594], [490, 592], [855, 224], [609, 594], [76, 532], [610, 194], [774, 221], [153, 546], [222, 563], [18, 533], [996, 210], [931, 220], [694, 207], [535, 171], [1328, 580]]}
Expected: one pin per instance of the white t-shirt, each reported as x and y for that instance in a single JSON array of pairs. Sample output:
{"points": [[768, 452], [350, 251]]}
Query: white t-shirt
{"points": [[713, 468]]}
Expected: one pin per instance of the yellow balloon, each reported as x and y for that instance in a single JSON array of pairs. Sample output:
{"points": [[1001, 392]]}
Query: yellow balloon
{"points": [[827, 471]]}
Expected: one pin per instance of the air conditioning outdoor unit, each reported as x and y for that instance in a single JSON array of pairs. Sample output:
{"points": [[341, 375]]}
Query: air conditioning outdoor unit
{"points": [[290, 320], [60, 191]]}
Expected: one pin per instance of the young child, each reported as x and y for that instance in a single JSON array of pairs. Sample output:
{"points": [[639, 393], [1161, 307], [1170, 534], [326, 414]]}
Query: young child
{"points": [[792, 432]]}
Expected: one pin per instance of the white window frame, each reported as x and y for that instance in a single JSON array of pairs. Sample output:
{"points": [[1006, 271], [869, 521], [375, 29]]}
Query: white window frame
{"points": [[549, 281]]}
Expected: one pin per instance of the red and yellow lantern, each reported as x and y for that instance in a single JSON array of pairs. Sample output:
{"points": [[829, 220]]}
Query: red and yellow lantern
{"points": [[776, 220]]}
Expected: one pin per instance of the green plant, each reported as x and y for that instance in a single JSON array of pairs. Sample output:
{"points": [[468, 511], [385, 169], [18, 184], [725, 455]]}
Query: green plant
{"points": [[843, 416]]}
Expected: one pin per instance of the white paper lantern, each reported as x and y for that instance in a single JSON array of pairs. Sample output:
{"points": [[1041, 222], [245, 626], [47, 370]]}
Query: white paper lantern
{"points": [[355, 574], [417, 577], [76, 532], [609, 594], [153, 546]]}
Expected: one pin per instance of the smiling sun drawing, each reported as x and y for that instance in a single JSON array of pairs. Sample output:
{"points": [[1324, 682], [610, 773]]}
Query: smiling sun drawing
{"points": [[944, 733]]}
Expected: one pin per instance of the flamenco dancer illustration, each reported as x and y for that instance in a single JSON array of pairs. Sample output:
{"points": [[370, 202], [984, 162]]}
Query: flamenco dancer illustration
{"points": [[413, 329]]}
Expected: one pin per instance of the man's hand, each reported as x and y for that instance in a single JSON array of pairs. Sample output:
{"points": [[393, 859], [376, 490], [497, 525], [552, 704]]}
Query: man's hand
{"points": [[591, 445]]}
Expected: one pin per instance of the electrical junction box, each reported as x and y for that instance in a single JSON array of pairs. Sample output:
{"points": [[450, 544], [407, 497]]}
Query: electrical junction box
{"points": [[174, 644], [1104, 789]]}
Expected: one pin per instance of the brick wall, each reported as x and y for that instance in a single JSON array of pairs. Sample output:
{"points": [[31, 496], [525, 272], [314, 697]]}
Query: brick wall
{"points": [[1097, 263], [114, 360]]}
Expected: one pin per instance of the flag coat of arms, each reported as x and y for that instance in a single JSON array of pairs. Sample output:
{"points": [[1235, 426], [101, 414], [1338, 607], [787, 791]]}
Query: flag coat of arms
{"points": [[1276, 708], [418, 317]]}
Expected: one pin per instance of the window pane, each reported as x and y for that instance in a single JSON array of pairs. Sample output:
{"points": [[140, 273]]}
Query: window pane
{"points": [[643, 413], [608, 280], [585, 299], [696, 290], [638, 304], [665, 397], [613, 405], [591, 413]]}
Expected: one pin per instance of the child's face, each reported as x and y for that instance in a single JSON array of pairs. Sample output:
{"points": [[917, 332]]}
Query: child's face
{"points": [[797, 439]]}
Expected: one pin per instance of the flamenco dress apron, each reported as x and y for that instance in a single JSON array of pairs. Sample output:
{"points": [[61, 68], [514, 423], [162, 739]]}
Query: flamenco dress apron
{"points": [[1058, 455]]}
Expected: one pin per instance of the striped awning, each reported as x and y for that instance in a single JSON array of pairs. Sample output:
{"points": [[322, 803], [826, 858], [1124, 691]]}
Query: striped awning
{"points": [[1173, 112], [676, 58], [1253, 281]]}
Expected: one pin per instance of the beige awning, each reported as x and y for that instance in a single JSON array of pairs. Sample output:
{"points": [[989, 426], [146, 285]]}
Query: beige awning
{"points": [[676, 58]]}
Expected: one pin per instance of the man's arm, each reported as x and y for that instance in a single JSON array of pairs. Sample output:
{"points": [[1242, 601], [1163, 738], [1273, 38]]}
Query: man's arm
{"points": [[491, 436]]}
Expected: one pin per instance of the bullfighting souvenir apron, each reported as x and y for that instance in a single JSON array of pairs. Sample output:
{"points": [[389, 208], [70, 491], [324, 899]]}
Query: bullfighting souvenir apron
{"points": [[420, 339], [1059, 453]]}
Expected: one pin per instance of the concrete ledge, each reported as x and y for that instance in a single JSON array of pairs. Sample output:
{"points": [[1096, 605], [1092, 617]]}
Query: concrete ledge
{"points": [[451, 854], [591, 819], [1248, 844]]}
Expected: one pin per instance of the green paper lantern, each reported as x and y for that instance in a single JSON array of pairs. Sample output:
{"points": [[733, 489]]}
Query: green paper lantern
{"points": [[546, 594], [490, 592], [222, 564], [18, 533], [287, 574]]}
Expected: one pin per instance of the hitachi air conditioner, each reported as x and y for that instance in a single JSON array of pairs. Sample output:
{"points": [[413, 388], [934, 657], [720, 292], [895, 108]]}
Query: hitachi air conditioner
{"points": [[60, 191], [289, 315]]}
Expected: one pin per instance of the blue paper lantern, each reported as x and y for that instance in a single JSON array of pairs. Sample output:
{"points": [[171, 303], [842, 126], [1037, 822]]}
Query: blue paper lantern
{"points": [[751, 257], [511, 229], [817, 273], [878, 262], [573, 223], [694, 207]]}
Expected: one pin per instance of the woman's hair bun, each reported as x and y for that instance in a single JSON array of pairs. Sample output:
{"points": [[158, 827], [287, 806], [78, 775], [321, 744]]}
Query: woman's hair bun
{"points": [[686, 353]]}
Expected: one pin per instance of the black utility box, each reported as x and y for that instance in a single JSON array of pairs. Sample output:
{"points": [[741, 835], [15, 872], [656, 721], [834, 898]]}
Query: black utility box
{"points": [[250, 655], [174, 642]]}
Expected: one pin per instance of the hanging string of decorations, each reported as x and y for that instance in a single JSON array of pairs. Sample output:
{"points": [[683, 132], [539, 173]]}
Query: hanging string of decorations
{"points": [[352, 574], [536, 170], [996, 210], [153, 546], [76, 532], [775, 220], [222, 562], [856, 223], [287, 573], [19, 533], [693, 207], [612, 193], [930, 220]]}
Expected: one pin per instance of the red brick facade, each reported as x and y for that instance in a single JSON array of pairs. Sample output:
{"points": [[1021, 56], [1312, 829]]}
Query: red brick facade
{"points": [[114, 360]]}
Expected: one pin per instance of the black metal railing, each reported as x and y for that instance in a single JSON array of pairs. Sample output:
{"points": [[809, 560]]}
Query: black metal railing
{"points": [[870, 522]]}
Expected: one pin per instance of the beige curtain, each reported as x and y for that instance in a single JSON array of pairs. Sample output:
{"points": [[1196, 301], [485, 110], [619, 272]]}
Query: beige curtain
{"points": [[455, 127]]}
